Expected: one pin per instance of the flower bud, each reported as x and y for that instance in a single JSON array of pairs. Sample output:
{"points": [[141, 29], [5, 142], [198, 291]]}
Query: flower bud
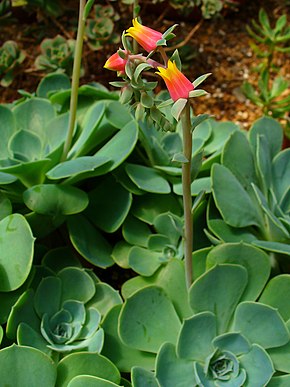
{"points": [[145, 36], [116, 63], [177, 84]]}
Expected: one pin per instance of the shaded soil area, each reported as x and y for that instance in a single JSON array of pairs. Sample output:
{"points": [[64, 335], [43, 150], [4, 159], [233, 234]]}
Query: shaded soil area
{"points": [[220, 46]]}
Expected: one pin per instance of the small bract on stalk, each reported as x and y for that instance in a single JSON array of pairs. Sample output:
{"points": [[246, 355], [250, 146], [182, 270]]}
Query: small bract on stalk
{"points": [[138, 92]]}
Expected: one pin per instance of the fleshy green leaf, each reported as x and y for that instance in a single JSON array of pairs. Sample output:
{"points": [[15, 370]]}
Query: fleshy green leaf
{"points": [[16, 252], [261, 324], [148, 319], [26, 367]]}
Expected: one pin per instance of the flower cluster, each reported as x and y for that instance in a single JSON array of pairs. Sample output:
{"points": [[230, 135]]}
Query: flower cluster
{"points": [[178, 85]]}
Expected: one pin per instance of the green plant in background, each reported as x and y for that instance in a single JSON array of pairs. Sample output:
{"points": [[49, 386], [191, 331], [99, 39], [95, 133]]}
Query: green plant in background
{"points": [[51, 7], [100, 27], [271, 94], [57, 54], [11, 57], [5, 9], [250, 191]]}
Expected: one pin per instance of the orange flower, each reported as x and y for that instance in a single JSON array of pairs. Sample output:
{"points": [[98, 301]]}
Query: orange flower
{"points": [[145, 36], [177, 84], [116, 63]]}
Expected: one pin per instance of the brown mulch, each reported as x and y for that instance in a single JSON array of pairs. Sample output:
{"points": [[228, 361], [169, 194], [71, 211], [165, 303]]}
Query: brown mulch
{"points": [[220, 46]]}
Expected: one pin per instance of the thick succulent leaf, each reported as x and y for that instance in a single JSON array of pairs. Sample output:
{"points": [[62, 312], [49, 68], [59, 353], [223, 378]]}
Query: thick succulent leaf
{"points": [[59, 258], [171, 278], [196, 336], [51, 199], [170, 225], [279, 381], [199, 261], [120, 146], [29, 337], [105, 298], [271, 129], [6, 178], [276, 247], [15, 258], [157, 242], [50, 327], [227, 233], [281, 173], [77, 168], [232, 342], [90, 381], [52, 82], [232, 199], [258, 366], [219, 291], [77, 284], [144, 261], [172, 371], [91, 134], [238, 157], [120, 254], [254, 260], [148, 319], [120, 354], [93, 344], [143, 378], [274, 295], [91, 324], [148, 207], [57, 129], [49, 289], [148, 179], [26, 367], [281, 357], [264, 163], [29, 173], [89, 242], [33, 115], [261, 324], [26, 146], [136, 232], [84, 363], [78, 313], [7, 128], [104, 210], [220, 132]]}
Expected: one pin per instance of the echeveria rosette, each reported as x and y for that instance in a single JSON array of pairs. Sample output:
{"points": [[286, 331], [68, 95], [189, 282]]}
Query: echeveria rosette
{"points": [[229, 339], [60, 317]]}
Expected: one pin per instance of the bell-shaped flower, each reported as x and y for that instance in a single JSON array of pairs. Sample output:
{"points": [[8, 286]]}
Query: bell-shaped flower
{"points": [[145, 36], [177, 84], [116, 63]]}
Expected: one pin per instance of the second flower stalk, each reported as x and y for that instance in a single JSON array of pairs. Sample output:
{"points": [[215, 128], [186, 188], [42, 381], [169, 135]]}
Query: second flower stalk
{"points": [[181, 90]]}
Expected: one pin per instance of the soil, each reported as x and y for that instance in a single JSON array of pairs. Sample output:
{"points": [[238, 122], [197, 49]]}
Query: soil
{"points": [[220, 46]]}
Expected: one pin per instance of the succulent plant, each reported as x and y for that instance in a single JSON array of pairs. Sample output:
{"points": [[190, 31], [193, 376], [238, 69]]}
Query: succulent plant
{"points": [[228, 338], [100, 27], [256, 208], [57, 54], [10, 58], [5, 9], [60, 315]]}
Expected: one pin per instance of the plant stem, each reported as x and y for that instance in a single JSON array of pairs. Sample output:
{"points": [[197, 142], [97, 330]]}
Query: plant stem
{"points": [[186, 190], [75, 80]]}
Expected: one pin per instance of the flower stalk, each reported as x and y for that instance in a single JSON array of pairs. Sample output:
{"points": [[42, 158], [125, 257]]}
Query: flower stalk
{"points": [[75, 79], [186, 192]]}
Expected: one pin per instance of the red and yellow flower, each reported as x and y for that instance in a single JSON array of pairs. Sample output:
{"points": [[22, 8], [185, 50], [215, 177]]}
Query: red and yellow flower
{"points": [[116, 63], [145, 36], [177, 84]]}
